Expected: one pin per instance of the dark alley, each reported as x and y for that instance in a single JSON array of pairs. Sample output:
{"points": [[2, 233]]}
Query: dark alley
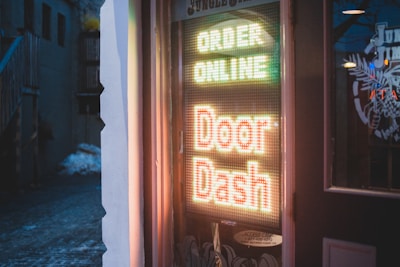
{"points": [[57, 224]]}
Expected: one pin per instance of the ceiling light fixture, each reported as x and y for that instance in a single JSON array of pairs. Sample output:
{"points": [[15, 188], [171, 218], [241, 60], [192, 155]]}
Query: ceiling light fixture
{"points": [[353, 12], [349, 65]]}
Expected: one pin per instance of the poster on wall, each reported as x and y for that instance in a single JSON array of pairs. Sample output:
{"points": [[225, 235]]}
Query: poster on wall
{"points": [[232, 113]]}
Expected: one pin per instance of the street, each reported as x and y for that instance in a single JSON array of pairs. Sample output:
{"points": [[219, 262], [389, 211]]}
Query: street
{"points": [[57, 224]]}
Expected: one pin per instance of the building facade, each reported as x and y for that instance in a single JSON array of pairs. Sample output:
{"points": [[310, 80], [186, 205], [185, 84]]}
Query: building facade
{"points": [[236, 134], [60, 110]]}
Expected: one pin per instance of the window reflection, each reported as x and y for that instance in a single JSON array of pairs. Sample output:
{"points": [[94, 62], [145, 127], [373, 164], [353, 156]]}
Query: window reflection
{"points": [[365, 94]]}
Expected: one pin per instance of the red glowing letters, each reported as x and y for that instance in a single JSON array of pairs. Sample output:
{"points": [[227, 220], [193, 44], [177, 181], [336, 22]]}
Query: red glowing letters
{"points": [[223, 187], [250, 190], [246, 134]]}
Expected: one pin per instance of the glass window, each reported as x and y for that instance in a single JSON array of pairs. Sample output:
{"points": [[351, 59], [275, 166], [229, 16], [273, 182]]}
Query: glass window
{"points": [[46, 21], [363, 95], [60, 29], [29, 15], [228, 190]]}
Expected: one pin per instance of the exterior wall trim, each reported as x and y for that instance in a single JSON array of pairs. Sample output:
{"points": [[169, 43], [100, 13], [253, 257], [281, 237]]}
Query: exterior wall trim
{"points": [[288, 122], [121, 138]]}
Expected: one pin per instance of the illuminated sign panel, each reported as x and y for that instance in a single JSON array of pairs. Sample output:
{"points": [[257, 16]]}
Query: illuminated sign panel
{"points": [[232, 116]]}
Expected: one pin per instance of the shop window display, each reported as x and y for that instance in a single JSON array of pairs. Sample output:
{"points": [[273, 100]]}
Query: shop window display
{"points": [[362, 97]]}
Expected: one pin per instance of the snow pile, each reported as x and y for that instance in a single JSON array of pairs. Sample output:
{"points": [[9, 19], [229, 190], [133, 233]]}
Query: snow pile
{"points": [[86, 160]]}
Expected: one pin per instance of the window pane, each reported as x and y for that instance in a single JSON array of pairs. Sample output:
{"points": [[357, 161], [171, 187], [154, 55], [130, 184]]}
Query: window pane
{"points": [[231, 139], [60, 29], [233, 110], [46, 22], [29, 15], [364, 95]]}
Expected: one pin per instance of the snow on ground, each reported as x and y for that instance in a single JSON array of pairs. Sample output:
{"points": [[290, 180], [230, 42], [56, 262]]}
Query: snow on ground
{"points": [[86, 160]]}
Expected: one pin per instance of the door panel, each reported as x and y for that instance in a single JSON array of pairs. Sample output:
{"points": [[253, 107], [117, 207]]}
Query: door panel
{"points": [[354, 218]]}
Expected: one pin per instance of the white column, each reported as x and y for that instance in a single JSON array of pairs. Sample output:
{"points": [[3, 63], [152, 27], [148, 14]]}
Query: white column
{"points": [[121, 137]]}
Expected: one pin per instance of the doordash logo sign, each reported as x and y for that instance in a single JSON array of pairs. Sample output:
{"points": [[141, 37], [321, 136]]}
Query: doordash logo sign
{"points": [[231, 188], [244, 134], [232, 147]]}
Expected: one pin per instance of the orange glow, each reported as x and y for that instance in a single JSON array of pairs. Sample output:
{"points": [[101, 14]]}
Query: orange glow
{"points": [[381, 93], [386, 61]]}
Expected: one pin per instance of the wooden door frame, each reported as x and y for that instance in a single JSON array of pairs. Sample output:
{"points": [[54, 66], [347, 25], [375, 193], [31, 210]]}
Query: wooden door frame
{"points": [[158, 188]]}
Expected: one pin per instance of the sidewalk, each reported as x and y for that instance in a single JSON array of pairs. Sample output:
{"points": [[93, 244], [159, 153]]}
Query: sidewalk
{"points": [[58, 224]]}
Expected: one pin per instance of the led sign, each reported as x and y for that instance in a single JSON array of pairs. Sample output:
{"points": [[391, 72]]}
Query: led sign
{"points": [[252, 67], [250, 190], [232, 104], [232, 38], [246, 134]]}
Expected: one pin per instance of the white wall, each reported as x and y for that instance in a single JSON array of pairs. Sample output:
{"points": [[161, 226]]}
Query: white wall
{"points": [[120, 138]]}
